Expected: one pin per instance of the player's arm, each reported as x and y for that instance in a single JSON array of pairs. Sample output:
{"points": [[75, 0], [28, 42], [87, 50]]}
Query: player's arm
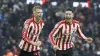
{"points": [[25, 34], [53, 34], [82, 36]]}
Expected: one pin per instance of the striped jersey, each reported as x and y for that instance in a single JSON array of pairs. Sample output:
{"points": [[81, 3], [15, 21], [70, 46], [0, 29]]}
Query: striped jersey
{"points": [[31, 31], [63, 33]]}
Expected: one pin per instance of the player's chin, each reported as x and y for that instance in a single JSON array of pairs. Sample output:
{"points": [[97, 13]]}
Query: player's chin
{"points": [[39, 20], [39, 17], [68, 18]]}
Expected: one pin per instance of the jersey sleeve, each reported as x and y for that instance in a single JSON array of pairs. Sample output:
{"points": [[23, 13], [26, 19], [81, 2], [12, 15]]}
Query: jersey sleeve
{"points": [[53, 34], [80, 34], [25, 31]]}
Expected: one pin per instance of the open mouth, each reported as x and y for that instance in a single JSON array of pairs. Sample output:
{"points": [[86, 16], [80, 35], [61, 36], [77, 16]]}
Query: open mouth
{"points": [[68, 18], [39, 16]]}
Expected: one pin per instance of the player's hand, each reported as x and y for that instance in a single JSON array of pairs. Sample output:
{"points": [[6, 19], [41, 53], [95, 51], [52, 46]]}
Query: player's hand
{"points": [[38, 43], [89, 40], [55, 47]]}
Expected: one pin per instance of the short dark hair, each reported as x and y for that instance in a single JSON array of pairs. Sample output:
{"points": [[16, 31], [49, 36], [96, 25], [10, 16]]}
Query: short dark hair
{"points": [[68, 9]]}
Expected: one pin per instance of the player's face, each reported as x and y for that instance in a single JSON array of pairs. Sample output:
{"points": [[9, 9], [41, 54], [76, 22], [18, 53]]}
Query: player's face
{"points": [[68, 16], [38, 14]]}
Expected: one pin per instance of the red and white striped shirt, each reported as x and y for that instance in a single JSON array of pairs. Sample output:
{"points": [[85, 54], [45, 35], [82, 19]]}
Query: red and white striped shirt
{"points": [[62, 34], [30, 32]]}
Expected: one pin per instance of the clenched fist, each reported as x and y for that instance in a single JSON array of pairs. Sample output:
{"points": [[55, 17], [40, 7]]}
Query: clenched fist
{"points": [[55, 47], [38, 43], [89, 40]]}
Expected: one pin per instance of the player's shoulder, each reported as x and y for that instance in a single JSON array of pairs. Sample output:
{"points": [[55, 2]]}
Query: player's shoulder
{"points": [[41, 21], [61, 22], [28, 21], [75, 21]]}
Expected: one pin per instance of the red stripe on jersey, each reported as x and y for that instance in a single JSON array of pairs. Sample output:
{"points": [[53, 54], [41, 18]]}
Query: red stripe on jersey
{"points": [[63, 40], [32, 47], [34, 29], [36, 36], [66, 45], [69, 35], [59, 42], [29, 36], [24, 45], [51, 38], [29, 31], [34, 32], [37, 33], [73, 23], [59, 36], [73, 33], [60, 31], [28, 47]]}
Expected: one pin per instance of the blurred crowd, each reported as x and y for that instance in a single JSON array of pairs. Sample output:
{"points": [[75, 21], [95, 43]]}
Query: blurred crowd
{"points": [[13, 13]]}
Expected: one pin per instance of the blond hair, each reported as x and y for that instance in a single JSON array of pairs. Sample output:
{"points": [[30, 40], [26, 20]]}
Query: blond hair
{"points": [[36, 7]]}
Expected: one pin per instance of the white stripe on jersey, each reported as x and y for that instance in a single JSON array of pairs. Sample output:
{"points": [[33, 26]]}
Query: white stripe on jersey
{"points": [[30, 48], [36, 29], [70, 39], [26, 46], [21, 44], [63, 34], [34, 32], [67, 32], [80, 32], [68, 46]]}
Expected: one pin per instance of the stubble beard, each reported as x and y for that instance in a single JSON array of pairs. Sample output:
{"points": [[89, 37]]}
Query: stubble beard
{"points": [[38, 19], [69, 21]]}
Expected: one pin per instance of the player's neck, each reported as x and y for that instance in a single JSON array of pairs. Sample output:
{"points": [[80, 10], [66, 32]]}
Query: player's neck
{"points": [[36, 21], [69, 22]]}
